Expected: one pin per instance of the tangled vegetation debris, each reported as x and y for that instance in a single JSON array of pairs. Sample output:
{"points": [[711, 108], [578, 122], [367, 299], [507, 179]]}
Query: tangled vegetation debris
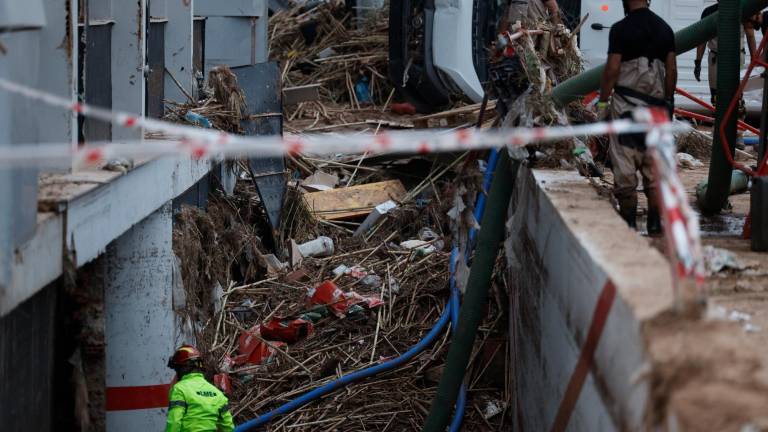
{"points": [[397, 291]]}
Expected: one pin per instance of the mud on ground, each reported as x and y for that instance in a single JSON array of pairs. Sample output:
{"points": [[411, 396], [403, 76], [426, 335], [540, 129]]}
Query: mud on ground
{"points": [[710, 372]]}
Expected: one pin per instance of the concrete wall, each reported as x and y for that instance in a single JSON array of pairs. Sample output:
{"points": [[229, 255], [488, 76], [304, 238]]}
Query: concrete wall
{"points": [[564, 243]]}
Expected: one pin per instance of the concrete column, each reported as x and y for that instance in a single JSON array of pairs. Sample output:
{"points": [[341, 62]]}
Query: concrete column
{"points": [[178, 51], [139, 324], [128, 62]]}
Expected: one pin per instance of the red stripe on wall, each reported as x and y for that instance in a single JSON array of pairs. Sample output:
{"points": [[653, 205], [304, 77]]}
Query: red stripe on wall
{"points": [[584, 364], [139, 397]]}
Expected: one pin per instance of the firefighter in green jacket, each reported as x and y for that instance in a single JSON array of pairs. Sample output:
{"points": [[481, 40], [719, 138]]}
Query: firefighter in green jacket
{"points": [[195, 405]]}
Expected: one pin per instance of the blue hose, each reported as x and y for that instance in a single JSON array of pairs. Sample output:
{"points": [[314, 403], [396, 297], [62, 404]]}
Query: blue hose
{"points": [[461, 401], [490, 167], [348, 379], [450, 313]]}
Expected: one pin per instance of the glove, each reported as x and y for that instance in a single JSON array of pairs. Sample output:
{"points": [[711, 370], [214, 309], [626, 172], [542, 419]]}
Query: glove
{"points": [[697, 70], [602, 111]]}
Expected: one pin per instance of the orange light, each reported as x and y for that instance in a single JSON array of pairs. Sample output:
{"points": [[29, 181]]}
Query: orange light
{"points": [[604, 8]]}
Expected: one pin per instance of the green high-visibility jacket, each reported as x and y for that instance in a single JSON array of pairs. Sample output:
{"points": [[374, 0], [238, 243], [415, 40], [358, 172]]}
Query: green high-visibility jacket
{"points": [[195, 405]]}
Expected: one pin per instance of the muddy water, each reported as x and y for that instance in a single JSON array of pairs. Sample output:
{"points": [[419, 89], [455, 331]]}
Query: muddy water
{"points": [[722, 225]]}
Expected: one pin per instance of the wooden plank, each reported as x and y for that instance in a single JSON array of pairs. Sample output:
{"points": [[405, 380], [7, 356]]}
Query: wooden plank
{"points": [[353, 201], [456, 111], [306, 93], [389, 124]]}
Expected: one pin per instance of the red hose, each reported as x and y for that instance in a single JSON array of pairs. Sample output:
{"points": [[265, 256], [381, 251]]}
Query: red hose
{"points": [[701, 117], [695, 99], [761, 168]]}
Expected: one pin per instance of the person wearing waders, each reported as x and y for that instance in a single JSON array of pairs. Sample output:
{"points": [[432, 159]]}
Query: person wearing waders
{"points": [[194, 404], [748, 30], [641, 71]]}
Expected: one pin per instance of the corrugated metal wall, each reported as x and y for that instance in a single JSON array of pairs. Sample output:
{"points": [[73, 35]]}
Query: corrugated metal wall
{"points": [[26, 364]]}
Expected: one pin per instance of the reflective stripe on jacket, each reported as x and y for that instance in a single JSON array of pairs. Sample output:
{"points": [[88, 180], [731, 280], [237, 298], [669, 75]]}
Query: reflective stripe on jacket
{"points": [[195, 405]]}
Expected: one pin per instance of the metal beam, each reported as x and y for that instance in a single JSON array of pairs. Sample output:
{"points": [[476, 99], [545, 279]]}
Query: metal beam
{"points": [[110, 206], [96, 218], [35, 263], [261, 86]]}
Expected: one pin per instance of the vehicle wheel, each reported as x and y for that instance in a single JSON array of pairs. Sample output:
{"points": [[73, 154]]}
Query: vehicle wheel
{"points": [[485, 19], [408, 52]]}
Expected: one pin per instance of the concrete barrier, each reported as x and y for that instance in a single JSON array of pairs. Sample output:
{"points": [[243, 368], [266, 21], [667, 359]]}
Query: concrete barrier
{"points": [[568, 251]]}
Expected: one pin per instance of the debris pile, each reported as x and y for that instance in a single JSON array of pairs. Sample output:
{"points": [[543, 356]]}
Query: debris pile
{"points": [[339, 70], [530, 63], [321, 44], [527, 65], [216, 245], [332, 302], [696, 143], [221, 107]]}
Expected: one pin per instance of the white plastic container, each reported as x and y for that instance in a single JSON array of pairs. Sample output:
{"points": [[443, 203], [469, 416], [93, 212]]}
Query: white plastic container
{"points": [[319, 247]]}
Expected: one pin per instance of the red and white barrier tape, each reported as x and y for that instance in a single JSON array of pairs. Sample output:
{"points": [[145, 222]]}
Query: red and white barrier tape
{"points": [[206, 143], [681, 224]]}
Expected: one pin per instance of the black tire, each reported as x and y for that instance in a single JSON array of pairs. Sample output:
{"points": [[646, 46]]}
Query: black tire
{"points": [[423, 87], [759, 212], [485, 18]]}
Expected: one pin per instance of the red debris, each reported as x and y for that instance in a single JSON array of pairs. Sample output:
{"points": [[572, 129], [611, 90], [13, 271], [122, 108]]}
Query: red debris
{"points": [[589, 98], [223, 382], [403, 108], [369, 302], [253, 350], [327, 293], [287, 330]]}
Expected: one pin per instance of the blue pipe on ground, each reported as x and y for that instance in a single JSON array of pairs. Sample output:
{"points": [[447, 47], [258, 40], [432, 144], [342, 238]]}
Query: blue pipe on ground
{"points": [[461, 401], [490, 167], [451, 312]]}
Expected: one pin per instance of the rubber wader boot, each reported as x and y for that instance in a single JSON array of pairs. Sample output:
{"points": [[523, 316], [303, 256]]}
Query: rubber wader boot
{"points": [[654, 222], [629, 214]]}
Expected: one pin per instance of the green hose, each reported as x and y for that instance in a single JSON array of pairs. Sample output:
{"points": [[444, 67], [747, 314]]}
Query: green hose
{"points": [[685, 40], [471, 314], [728, 71]]}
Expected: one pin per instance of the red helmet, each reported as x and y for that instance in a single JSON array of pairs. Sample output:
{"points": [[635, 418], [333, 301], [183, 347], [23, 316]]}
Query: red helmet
{"points": [[183, 356]]}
